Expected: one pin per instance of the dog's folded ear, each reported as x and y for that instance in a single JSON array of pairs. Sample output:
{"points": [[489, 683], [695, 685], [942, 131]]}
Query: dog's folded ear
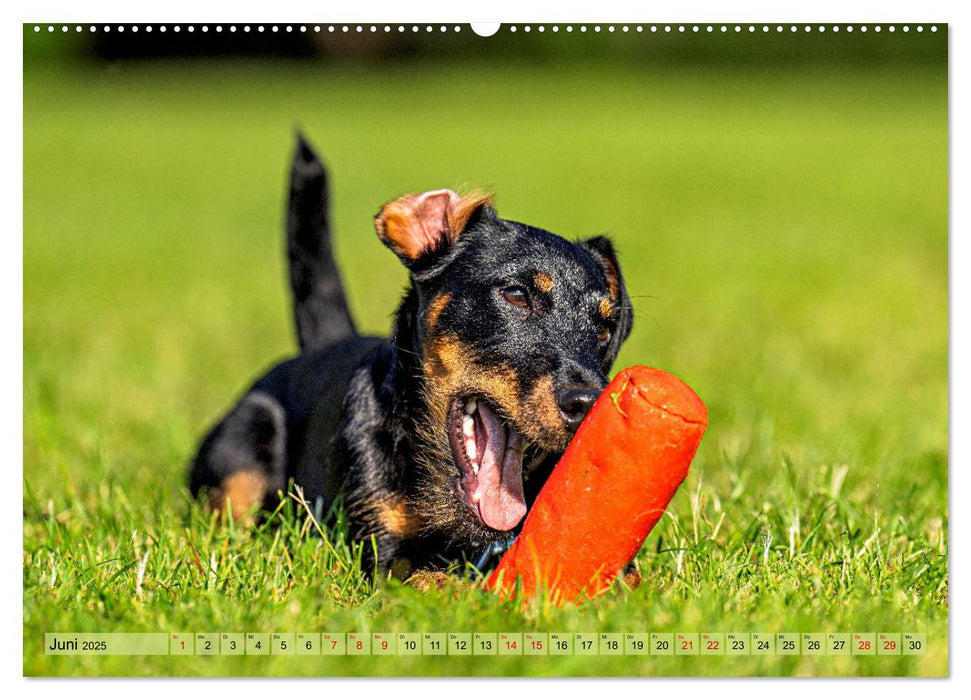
{"points": [[417, 225], [602, 251]]}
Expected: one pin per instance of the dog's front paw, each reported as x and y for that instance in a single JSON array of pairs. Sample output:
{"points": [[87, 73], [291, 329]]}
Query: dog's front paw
{"points": [[632, 577], [424, 580]]}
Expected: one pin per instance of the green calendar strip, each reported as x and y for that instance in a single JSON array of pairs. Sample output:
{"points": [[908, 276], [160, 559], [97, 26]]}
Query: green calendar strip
{"points": [[700, 644]]}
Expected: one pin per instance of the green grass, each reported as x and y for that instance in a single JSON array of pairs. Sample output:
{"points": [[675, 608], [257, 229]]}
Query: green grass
{"points": [[784, 234]]}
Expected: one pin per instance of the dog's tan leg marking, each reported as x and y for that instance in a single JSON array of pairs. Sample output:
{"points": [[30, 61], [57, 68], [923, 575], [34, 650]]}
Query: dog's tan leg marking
{"points": [[243, 492], [396, 518]]}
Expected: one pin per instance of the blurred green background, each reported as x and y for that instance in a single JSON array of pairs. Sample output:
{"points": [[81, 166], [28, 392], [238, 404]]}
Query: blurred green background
{"points": [[779, 201]]}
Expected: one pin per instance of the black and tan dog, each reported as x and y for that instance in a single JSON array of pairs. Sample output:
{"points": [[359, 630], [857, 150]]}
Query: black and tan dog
{"points": [[439, 438]]}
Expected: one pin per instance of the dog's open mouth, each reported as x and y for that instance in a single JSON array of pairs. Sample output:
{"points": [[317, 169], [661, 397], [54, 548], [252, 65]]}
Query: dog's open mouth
{"points": [[489, 454]]}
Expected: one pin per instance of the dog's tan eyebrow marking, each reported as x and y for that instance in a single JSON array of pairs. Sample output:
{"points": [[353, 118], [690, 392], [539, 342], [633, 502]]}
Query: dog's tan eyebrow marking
{"points": [[435, 308], [606, 308], [543, 282]]}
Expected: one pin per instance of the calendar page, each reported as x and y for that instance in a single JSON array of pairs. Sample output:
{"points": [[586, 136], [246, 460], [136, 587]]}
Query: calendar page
{"points": [[319, 320]]}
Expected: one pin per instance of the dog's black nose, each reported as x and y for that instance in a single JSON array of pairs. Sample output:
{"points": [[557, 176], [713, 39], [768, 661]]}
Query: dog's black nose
{"points": [[575, 403]]}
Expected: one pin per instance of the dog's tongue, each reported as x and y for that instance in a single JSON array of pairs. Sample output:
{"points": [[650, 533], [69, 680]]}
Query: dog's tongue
{"points": [[502, 503]]}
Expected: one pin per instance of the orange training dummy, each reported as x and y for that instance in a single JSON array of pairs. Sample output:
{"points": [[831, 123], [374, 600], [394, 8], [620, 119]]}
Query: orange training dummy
{"points": [[609, 488]]}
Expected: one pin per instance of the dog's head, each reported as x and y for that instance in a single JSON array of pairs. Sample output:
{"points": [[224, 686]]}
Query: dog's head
{"points": [[513, 330]]}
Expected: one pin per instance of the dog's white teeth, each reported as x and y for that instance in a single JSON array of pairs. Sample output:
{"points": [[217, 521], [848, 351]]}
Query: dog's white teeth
{"points": [[470, 406], [476, 497], [475, 467], [468, 432]]}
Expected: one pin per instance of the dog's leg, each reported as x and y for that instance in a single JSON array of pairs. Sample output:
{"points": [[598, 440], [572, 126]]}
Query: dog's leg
{"points": [[241, 463], [319, 304], [385, 559]]}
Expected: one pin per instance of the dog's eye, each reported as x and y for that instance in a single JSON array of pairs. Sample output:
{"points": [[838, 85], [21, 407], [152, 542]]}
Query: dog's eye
{"points": [[515, 296], [604, 336]]}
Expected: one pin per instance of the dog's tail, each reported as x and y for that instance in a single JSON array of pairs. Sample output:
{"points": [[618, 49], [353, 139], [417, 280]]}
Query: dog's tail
{"points": [[319, 304]]}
